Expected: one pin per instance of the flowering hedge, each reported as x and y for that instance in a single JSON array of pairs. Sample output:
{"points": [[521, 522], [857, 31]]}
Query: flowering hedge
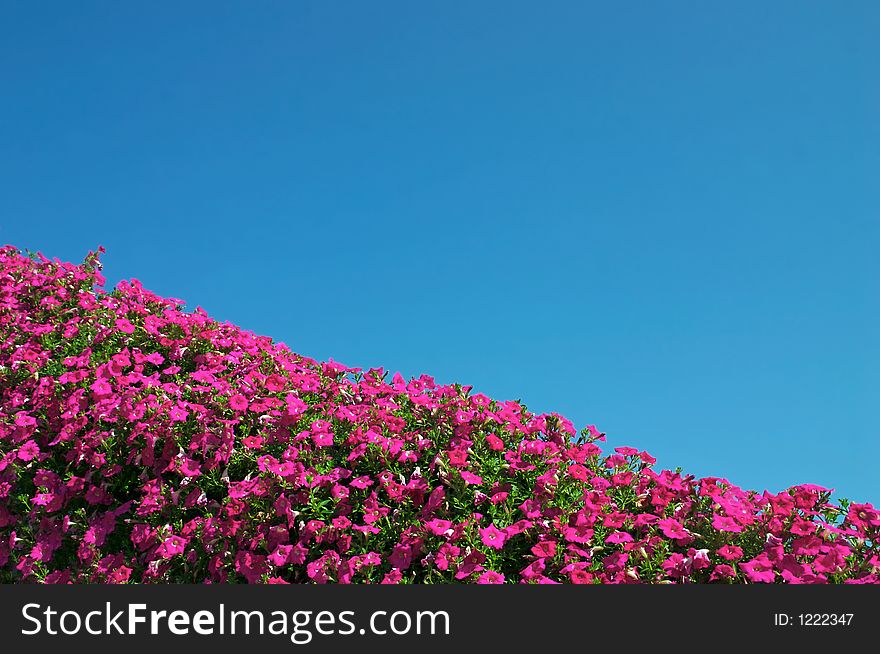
{"points": [[142, 443]]}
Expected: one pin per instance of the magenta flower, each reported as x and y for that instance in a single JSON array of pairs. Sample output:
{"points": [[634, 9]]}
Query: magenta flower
{"points": [[580, 577], [29, 451], [178, 414], [22, 419], [457, 458], [672, 528], [490, 577], [393, 577], [172, 546], [470, 478], [579, 472], [274, 383], [758, 570], [725, 523], [544, 549], [619, 537], [123, 325], [238, 402], [438, 527], [730, 552], [401, 557], [722, 571], [494, 442], [101, 387], [190, 468], [281, 554], [493, 537]]}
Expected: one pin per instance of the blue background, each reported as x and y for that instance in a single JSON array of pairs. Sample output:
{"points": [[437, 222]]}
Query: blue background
{"points": [[658, 217]]}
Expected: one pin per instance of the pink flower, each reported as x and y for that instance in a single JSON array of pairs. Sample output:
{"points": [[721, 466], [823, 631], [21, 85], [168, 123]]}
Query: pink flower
{"points": [[462, 417], [322, 439], [472, 563], [22, 419], [615, 562], [495, 443], [672, 528], [101, 387], [730, 552], [274, 383], [276, 580], [43, 499], [392, 577], [725, 523], [618, 537], [120, 575], [490, 577], [493, 537], [544, 549], [401, 557], [438, 527], [295, 406], [758, 570], [252, 442], [178, 414], [457, 458], [238, 402], [722, 571], [172, 546], [645, 519], [190, 468], [675, 565], [28, 451], [361, 482], [470, 478], [579, 472], [123, 325], [698, 559], [580, 577], [281, 554]]}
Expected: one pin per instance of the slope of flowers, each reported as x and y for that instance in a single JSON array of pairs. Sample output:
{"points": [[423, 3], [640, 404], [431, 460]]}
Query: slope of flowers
{"points": [[141, 443]]}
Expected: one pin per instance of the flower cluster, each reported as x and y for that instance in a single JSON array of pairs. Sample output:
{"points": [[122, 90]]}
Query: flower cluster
{"points": [[143, 443]]}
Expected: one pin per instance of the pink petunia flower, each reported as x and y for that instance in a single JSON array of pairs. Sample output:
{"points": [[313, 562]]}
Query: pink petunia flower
{"points": [[190, 468], [172, 546], [579, 472], [726, 523], [281, 554], [438, 527], [618, 537], [29, 451], [22, 419], [730, 552], [470, 478], [672, 528], [101, 387], [125, 326], [238, 402], [493, 537], [722, 571], [495, 443], [758, 570], [490, 577], [544, 549], [274, 383], [178, 414]]}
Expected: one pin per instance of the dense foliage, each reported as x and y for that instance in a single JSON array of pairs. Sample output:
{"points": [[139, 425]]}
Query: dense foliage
{"points": [[143, 443]]}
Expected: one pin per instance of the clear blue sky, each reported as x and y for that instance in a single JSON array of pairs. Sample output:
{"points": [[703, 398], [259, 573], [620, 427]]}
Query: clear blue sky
{"points": [[658, 217]]}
